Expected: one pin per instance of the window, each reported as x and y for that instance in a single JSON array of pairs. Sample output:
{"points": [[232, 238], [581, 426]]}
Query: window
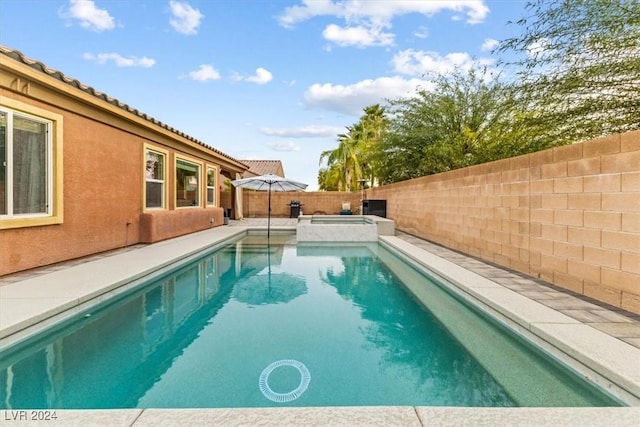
{"points": [[211, 186], [30, 172], [187, 183], [155, 183]]}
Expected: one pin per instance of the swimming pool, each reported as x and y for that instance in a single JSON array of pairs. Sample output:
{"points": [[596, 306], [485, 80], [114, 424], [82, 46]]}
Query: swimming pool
{"points": [[273, 324]]}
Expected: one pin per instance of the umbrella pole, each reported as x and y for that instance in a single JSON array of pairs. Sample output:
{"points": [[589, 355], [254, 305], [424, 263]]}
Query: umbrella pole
{"points": [[269, 261], [269, 215]]}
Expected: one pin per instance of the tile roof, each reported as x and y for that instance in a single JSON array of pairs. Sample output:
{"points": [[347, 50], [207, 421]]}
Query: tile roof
{"points": [[263, 167], [37, 65]]}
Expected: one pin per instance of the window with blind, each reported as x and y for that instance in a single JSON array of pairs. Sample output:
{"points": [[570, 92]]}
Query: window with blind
{"points": [[155, 182], [26, 178]]}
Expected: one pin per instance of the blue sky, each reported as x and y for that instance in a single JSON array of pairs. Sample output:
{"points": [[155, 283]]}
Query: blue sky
{"points": [[258, 79]]}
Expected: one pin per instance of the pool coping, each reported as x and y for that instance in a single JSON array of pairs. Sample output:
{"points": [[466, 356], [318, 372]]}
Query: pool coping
{"points": [[607, 362], [364, 416], [26, 303]]}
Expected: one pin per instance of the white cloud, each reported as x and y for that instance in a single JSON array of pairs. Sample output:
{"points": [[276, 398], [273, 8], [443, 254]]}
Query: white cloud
{"points": [[312, 131], [309, 9], [205, 72], [418, 63], [359, 36], [489, 44], [366, 20], [261, 76], [422, 32], [185, 19], [284, 146], [119, 60], [380, 10], [352, 99], [90, 17]]}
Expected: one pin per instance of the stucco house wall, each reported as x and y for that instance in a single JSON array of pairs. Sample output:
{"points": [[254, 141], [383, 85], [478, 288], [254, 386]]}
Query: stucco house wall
{"points": [[99, 178]]}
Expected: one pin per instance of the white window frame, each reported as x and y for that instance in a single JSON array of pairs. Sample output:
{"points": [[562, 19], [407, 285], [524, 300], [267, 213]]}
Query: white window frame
{"points": [[165, 155], [211, 187], [49, 174]]}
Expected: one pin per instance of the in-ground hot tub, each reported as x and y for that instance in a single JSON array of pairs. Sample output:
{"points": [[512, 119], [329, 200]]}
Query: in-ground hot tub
{"points": [[343, 228]]}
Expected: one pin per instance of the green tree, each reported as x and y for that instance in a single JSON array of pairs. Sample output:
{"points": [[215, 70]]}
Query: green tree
{"points": [[328, 179], [342, 163], [578, 68], [468, 118], [374, 124]]}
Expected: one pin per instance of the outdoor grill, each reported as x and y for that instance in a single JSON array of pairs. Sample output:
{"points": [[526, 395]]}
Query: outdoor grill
{"points": [[295, 206]]}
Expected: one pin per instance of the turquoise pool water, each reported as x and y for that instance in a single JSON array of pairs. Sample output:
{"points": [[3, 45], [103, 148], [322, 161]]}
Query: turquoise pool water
{"points": [[257, 324]]}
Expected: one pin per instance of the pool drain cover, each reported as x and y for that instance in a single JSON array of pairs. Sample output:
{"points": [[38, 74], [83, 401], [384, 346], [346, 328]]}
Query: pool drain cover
{"points": [[263, 383]]}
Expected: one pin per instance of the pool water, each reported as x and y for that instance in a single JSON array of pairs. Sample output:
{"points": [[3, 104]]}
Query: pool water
{"points": [[264, 323]]}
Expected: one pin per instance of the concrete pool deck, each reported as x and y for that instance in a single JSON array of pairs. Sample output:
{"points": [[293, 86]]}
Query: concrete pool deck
{"points": [[606, 339]]}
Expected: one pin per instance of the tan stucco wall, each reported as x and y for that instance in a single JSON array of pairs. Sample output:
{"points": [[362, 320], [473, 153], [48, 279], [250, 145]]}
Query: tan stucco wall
{"points": [[569, 215], [156, 226], [102, 201], [99, 198], [103, 184]]}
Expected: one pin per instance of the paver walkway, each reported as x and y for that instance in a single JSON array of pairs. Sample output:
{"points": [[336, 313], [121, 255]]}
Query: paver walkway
{"points": [[611, 320]]}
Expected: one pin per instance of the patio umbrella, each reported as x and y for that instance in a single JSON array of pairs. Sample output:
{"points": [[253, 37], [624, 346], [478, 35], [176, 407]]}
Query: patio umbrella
{"points": [[269, 182]]}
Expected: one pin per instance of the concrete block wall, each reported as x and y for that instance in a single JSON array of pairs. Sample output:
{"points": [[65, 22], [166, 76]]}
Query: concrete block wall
{"points": [[255, 203], [569, 215]]}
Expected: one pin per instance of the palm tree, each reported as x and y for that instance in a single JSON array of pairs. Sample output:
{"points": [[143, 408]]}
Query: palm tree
{"points": [[342, 163], [374, 124], [327, 179], [355, 157]]}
